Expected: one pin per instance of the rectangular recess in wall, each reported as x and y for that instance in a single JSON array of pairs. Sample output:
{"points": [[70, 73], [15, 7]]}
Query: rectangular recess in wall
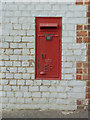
{"points": [[48, 31]]}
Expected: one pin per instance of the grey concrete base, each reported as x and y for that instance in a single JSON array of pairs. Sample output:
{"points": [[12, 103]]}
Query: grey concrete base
{"points": [[43, 114], [0, 114]]}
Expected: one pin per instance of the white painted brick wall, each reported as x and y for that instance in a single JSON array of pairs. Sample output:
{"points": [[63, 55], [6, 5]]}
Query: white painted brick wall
{"points": [[28, 100], [26, 76], [4, 82], [9, 51], [19, 84], [12, 82], [5, 100], [22, 70], [10, 94], [13, 57], [9, 75], [14, 69], [15, 88], [8, 88], [27, 94], [36, 94], [22, 45], [17, 51], [25, 63], [45, 94], [2, 93], [33, 88], [20, 100], [17, 76], [29, 82], [13, 45], [12, 100], [24, 88], [18, 94], [17, 39], [16, 63]]}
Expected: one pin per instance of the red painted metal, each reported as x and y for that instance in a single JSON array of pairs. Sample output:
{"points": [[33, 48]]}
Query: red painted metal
{"points": [[48, 24], [48, 48]]}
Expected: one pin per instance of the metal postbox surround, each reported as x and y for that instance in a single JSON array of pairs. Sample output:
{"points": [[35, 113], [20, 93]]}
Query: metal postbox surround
{"points": [[48, 48]]}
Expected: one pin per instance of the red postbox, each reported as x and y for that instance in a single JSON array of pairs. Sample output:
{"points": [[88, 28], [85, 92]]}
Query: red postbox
{"points": [[48, 48]]}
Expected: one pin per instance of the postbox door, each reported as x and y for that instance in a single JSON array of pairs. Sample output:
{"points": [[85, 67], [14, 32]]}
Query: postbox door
{"points": [[48, 57]]}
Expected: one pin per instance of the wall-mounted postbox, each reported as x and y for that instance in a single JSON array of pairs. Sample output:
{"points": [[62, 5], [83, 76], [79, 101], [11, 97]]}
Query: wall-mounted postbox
{"points": [[48, 48]]}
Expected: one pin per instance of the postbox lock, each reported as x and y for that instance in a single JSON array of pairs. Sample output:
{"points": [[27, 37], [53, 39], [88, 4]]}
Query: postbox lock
{"points": [[48, 38]]}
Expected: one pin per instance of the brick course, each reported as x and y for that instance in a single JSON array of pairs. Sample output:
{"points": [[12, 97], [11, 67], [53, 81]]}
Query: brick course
{"points": [[84, 65]]}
